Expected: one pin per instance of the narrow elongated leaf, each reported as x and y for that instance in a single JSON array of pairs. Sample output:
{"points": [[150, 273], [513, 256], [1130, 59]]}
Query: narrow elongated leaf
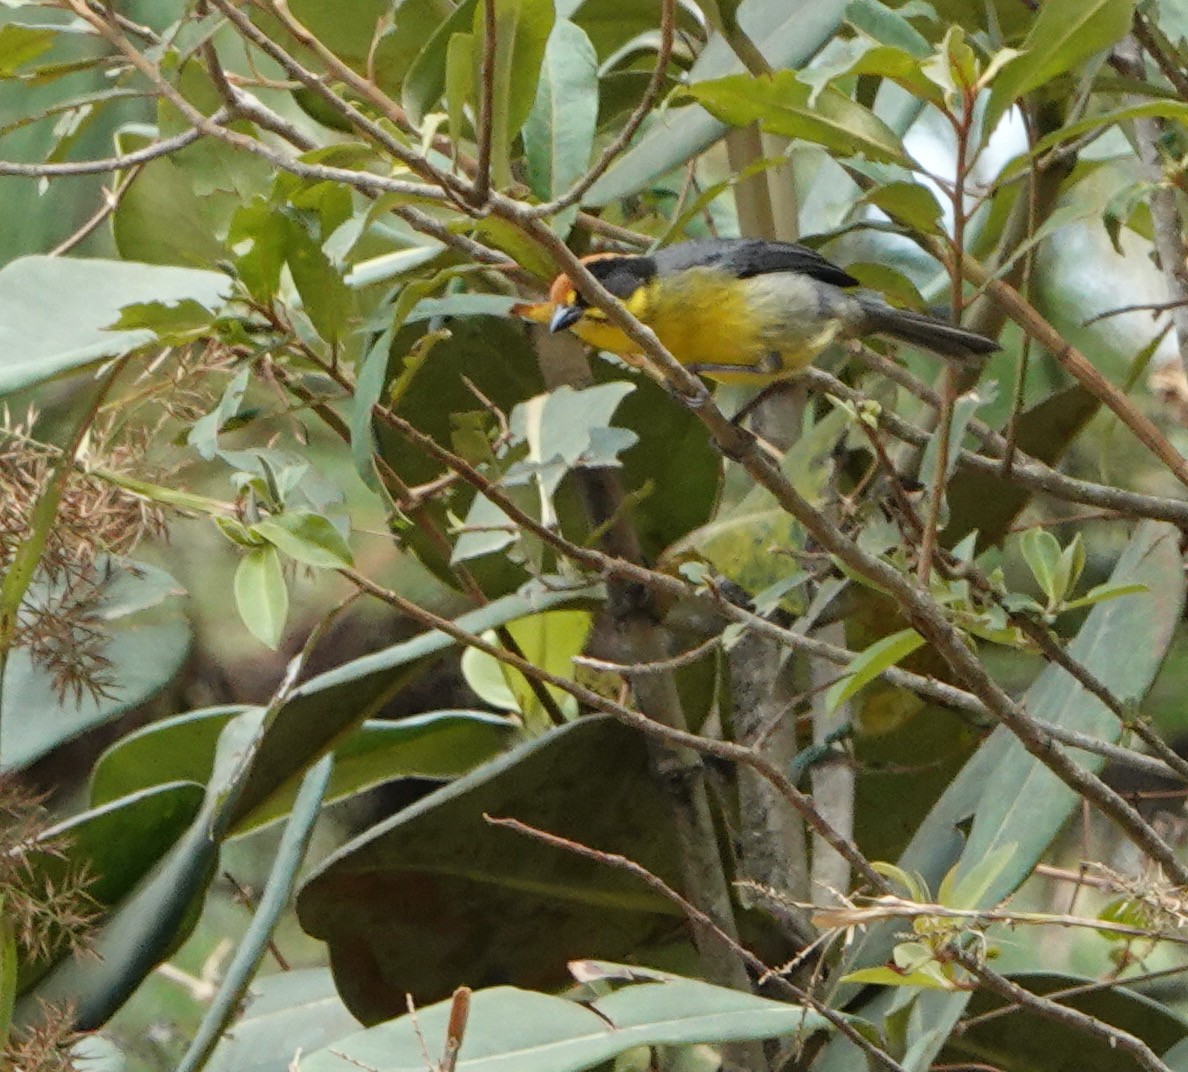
{"points": [[522, 30], [781, 104], [273, 901], [1065, 34], [787, 35], [872, 662], [531, 1032], [559, 131]]}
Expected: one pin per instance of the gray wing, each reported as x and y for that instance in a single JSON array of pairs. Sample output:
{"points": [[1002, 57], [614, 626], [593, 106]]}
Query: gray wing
{"points": [[746, 257]]}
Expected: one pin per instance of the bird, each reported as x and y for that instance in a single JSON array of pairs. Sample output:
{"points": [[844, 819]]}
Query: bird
{"points": [[741, 310]]}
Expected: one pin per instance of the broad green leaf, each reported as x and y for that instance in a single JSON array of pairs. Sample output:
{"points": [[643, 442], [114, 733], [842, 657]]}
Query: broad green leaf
{"points": [[559, 131], [123, 839], [178, 749], [787, 37], [894, 977], [522, 29], [158, 912], [910, 203], [325, 297], [285, 1013], [310, 538], [261, 595], [1065, 34], [586, 780], [38, 343], [782, 104], [148, 641], [534, 1032], [438, 746], [873, 661], [323, 711]]}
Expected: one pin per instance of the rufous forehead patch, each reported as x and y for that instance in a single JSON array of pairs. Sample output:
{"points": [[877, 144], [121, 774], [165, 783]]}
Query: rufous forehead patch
{"points": [[561, 292]]}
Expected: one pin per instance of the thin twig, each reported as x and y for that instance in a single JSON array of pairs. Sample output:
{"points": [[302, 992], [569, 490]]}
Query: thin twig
{"points": [[486, 115], [591, 699], [119, 162], [695, 915]]}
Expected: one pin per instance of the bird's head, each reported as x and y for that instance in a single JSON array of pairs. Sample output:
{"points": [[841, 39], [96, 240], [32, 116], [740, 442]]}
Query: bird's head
{"points": [[622, 274]]}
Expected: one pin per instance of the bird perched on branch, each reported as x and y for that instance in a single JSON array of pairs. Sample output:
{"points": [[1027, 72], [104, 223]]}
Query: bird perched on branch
{"points": [[742, 310]]}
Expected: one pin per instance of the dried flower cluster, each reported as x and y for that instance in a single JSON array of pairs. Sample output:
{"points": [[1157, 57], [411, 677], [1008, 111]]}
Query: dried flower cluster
{"points": [[45, 893], [60, 622], [46, 1045]]}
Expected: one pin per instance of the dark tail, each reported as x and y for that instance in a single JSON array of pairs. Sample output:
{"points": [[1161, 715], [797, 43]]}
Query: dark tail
{"points": [[927, 332]]}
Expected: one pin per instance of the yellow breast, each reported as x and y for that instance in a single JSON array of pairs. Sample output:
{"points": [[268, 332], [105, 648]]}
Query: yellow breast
{"points": [[706, 317]]}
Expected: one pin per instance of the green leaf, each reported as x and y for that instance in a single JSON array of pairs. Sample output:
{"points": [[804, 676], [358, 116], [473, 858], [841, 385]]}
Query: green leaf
{"points": [[285, 1013], [887, 26], [274, 899], [459, 83], [261, 595], [532, 1032], [425, 81], [148, 638], [559, 131], [20, 45], [308, 537], [586, 780], [159, 911], [870, 663], [1065, 34], [787, 37], [178, 749], [1103, 592], [522, 29], [8, 972], [322, 711], [548, 640], [969, 890], [892, 977], [1041, 552], [909, 203], [325, 297], [437, 746], [39, 343], [781, 104]]}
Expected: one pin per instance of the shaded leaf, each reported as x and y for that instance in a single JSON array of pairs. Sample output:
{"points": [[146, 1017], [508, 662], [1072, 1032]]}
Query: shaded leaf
{"points": [[38, 343], [539, 1033]]}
